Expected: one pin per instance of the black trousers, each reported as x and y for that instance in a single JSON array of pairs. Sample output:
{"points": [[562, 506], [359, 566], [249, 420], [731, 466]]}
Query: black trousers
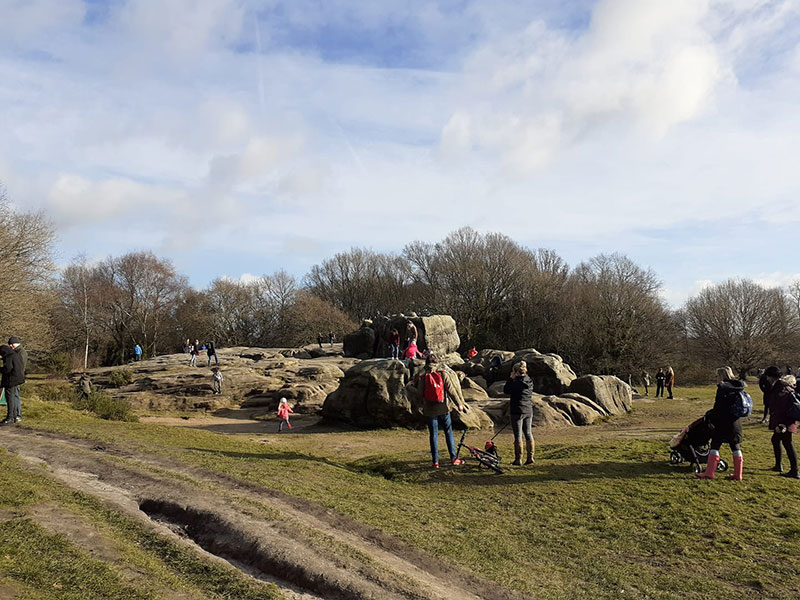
{"points": [[659, 389], [785, 439]]}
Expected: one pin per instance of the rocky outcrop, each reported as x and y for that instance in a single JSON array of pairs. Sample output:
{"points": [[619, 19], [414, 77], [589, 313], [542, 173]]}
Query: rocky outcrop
{"points": [[578, 412], [550, 374], [374, 393], [436, 333], [360, 343], [612, 395]]}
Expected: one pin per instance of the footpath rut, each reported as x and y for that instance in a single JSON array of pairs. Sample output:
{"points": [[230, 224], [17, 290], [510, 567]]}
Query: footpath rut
{"points": [[304, 548]]}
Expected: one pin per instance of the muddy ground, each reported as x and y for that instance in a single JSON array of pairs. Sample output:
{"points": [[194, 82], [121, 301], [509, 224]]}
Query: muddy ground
{"points": [[266, 534]]}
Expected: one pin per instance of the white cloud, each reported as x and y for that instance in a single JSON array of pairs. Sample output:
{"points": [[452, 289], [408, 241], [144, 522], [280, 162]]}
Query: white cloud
{"points": [[21, 19]]}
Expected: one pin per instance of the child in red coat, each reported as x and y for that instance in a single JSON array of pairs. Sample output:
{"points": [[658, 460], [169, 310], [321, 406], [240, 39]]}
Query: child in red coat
{"points": [[284, 410]]}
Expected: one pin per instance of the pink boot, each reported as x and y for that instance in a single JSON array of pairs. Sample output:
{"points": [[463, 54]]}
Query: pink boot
{"points": [[711, 467], [738, 462]]}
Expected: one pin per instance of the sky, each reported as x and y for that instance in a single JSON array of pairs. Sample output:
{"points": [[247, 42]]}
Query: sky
{"points": [[240, 137]]}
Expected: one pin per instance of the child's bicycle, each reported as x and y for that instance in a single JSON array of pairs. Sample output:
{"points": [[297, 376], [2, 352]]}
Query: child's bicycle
{"points": [[486, 459]]}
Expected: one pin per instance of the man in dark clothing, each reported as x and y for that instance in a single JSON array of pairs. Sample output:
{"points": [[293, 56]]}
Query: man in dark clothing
{"points": [[211, 351], [13, 376], [16, 344], [661, 378]]}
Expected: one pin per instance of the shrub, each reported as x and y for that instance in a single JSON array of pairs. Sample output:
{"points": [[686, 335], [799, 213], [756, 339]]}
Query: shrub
{"points": [[58, 363], [105, 406], [120, 377], [59, 392]]}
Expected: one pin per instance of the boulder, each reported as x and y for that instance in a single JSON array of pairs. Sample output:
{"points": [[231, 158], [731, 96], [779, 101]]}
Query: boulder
{"points": [[474, 418], [546, 415], [479, 364], [360, 343], [550, 374], [579, 413], [609, 393], [480, 381], [472, 391], [438, 334], [371, 394], [496, 389]]}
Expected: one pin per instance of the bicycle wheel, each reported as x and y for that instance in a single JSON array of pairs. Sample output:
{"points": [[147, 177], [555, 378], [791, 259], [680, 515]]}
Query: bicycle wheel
{"points": [[489, 463]]}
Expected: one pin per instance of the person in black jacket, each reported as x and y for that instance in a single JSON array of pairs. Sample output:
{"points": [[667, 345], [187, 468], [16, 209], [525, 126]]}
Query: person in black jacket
{"points": [[661, 377], [211, 351], [13, 376], [780, 398], [727, 428], [520, 388]]}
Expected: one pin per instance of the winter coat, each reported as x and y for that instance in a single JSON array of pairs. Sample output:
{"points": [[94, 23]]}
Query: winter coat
{"points": [[13, 369], [779, 400], [453, 396], [284, 410], [411, 352], [661, 378], [24, 356], [210, 349], [521, 391], [726, 426]]}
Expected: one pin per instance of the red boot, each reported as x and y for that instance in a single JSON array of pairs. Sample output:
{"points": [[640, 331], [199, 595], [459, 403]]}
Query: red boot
{"points": [[738, 462], [711, 467]]}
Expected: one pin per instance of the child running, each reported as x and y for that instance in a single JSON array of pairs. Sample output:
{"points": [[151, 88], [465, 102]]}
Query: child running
{"points": [[284, 410]]}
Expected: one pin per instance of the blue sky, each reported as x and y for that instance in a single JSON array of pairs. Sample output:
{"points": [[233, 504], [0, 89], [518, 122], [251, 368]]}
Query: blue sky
{"points": [[238, 137]]}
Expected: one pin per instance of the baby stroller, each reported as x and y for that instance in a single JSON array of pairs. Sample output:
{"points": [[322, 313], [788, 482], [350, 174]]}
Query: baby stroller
{"points": [[691, 444]]}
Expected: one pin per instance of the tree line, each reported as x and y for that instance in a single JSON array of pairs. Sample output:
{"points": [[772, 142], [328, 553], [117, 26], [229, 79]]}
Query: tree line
{"points": [[604, 315]]}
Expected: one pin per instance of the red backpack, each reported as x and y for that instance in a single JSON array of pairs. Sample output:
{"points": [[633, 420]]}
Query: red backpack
{"points": [[433, 387]]}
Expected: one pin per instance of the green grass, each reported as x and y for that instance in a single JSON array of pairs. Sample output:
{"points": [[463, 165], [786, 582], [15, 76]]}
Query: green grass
{"points": [[46, 564], [602, 514]]}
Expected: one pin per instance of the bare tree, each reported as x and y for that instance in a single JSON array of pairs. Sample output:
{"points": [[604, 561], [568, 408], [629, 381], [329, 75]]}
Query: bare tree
{"points": [[740, 323]]}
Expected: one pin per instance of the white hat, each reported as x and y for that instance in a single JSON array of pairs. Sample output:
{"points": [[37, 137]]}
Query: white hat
{"points": [[283, 399]]}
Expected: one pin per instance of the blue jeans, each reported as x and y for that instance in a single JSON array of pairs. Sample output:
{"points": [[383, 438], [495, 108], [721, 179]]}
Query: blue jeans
{"points": [[522, 426], [446, 424], [395, 350], [12, 400]]}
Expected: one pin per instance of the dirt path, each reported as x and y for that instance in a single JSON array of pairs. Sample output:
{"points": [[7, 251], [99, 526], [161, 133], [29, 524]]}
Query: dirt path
{"points": [[307, 550]]}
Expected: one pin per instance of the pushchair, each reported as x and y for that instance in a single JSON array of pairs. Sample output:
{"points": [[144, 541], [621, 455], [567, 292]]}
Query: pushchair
{"points": [[691, 445]]}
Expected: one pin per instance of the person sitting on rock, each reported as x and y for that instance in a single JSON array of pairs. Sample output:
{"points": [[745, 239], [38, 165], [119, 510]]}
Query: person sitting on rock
{"points": [[439, 392], [411, 353], [472, 353], [494, 366], [284, 410]]}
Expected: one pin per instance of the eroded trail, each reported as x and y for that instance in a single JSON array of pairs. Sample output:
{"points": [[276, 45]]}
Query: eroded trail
{"points": [[307, 550]]}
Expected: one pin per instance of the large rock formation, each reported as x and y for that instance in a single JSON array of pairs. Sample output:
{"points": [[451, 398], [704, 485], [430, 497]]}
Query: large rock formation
{"points": [[436, 333], [608, 393], [550, 374], [374, 393]]}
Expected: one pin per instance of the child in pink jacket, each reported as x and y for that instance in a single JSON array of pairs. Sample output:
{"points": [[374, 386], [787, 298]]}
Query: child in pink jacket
{"points": [[284, 410]]}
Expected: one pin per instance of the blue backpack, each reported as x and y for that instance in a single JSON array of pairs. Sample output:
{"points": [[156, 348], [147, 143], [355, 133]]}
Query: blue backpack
{"points": [[742, 405]]}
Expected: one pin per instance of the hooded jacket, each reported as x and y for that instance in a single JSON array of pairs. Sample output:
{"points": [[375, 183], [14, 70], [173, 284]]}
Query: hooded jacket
{"points": [[779, 398], [721, 414], [13, 369]]}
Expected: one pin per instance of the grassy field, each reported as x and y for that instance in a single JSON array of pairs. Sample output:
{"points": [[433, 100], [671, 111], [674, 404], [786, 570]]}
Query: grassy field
{"points": [[601, 514]]}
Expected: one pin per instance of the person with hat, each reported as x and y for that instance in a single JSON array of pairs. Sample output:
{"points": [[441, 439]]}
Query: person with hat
{"points": [[13, 376], [16, 344], [780, 397], [284, 410]]}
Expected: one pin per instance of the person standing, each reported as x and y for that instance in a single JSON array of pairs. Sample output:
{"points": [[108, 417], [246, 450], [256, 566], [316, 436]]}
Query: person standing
{"points": [[16, 344], [394, 343], [661, 377], [216, 381], [13, 376], [781, 422], [520, 388], [670, 382], [319, 340], [187, 346], [84, 387], [331, 337], [727, 426], [193, 352], [411, 333], [137, 353], [646, 382], [440, 391], [211, 351]]}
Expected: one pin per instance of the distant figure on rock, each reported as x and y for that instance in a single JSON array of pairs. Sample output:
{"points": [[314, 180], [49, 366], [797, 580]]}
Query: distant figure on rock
{"points": [[494, 366], [211, 351], [646, 382], [137, 353], [409, 355], [440, 392], [394, 343], [411, 333], [670, 382], [84, 387], [727, 426], [193, 352], [284, 410], [331, 337], [520, 388], [471, 353], [661, 377], [319, 340], [216, 381], [782, 421]]}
